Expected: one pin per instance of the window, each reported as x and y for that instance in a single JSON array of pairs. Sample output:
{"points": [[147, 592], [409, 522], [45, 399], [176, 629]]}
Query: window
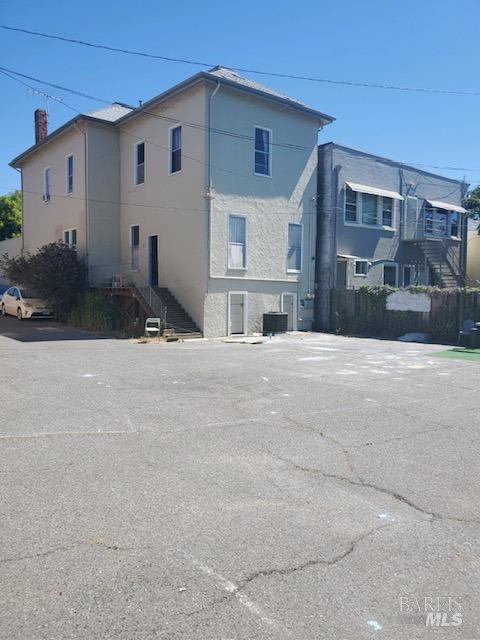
{"points": [[408, 275], [369, 209], [294, 255], [134, 247], [237, 249], [69, 173], [70, 237], [360, 267], [175, 149], [454, 224], [262, 162], [350, 205], [387, 212], [139, 153], [46, 184], [390, 274]]}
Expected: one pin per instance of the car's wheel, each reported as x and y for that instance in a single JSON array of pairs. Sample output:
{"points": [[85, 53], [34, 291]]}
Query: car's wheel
{"points": [[3, 310], [19, 314]]}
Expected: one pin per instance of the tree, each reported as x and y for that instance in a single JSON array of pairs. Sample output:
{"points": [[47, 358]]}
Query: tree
{"points": [[472, 203], [54, 272], [10, 215]]}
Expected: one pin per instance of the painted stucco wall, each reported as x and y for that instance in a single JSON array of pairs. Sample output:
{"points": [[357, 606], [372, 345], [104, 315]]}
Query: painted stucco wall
{"points": [[44, 222], [382, 245], [170, 206], [473, 258], [11, 247], [103, 230], [268, 203]]}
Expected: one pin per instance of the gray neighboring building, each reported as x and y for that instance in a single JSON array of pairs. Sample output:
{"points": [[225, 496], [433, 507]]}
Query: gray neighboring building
{"points": [[383, 222]]}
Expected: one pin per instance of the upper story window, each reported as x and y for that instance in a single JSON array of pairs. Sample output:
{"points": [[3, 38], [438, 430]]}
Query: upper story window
{"points": [[237, 242], [439, 222], [46, 184], [134, 247], [294, 254], [175, 149], [69, 173], [70, 237], [139, 161], [263, 152], [369, 209]]}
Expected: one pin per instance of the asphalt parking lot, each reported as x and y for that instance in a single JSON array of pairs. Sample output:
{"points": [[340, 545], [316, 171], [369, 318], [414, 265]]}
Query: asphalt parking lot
{"points": [[298, 488]]}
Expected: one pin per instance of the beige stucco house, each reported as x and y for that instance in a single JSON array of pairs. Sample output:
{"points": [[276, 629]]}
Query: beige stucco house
{"points": [[207, 192], [473, 258]]}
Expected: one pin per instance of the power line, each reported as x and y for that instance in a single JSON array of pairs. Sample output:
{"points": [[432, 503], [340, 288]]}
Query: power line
{"points": [[144, 54], [196, 125]]}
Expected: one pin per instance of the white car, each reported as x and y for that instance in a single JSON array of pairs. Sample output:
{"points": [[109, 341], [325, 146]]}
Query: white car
{"points": [[24, 304]]}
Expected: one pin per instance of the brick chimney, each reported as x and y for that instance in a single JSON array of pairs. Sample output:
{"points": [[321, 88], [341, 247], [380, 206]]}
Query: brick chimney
{"points": [[41, 127]]}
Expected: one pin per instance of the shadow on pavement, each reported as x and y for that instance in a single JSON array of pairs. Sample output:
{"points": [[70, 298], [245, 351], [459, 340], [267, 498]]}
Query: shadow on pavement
{"points": [[38, 330]]}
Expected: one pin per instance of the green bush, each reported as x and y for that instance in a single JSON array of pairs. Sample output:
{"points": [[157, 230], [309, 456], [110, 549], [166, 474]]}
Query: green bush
{"points": [[96, 312]]}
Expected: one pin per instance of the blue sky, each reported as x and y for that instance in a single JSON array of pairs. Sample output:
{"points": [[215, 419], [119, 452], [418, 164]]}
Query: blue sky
{"points": [[420, 43]]}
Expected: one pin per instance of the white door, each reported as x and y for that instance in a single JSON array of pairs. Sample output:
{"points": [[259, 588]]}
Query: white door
{"points": [[289, 305], [237, 313]]}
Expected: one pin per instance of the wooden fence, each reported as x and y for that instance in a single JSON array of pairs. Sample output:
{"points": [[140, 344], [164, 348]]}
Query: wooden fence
{"points": [[364, 312]]}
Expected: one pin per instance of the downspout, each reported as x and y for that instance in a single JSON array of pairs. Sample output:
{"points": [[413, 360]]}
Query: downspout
{"points": [[325, 242], [209, 194], [87, 201], [22, 233]]}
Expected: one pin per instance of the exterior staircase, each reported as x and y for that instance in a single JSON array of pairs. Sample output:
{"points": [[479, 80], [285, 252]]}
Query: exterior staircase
{"points": [[444, 264], [176, 316]]}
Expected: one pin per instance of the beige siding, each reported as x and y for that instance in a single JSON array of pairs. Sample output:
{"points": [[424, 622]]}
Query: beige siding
{"points": [[170, 206], [45, 222], [473, 258]]}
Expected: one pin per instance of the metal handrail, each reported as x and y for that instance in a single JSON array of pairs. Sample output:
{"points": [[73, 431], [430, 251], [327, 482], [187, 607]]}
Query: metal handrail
{"points": [[153, 301]]}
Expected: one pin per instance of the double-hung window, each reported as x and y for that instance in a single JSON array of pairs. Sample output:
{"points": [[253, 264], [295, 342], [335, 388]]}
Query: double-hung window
{"points": [[134, 247], [175, 149], [69, 173], [70, 237], [139, 160], [263, 152], [46, 184], [369, 209], [237, 242], [387, 212], [454, 224], [350, 205], [294, 253]]}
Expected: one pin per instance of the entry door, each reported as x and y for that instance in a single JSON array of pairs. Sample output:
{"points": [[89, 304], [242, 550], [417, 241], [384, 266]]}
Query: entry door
{"points": [[153, 260], [237, 313], [289, 307]]}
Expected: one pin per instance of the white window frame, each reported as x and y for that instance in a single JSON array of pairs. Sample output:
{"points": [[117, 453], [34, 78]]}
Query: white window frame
{"points": [[68, 233], [295, 306], [390, 264], [69, 191], [379, 226], [413, 275], [135, 163], [245, 312], [297, 224], [47, 193], [363, 261], [170, 149], [270, 158], [237, 215], [131, 247]]}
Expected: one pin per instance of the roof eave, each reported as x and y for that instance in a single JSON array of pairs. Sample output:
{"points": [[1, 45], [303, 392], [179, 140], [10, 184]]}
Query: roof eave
{"points": [[34, 148]]}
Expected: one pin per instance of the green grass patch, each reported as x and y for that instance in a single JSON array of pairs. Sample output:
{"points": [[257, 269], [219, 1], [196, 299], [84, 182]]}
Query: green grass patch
{"points": [[459, 353]]}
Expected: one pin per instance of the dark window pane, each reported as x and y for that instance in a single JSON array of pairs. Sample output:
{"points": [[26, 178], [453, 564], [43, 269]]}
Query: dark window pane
{"points": [[135, 231], [390, 275], [176, 160], [141, 153]]}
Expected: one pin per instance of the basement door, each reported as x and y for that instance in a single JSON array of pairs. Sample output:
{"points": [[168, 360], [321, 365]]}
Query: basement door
{"points": [[152, 266], [237, 313]]}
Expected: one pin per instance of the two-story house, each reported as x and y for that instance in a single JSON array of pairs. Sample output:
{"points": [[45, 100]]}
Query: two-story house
{"points": [[381, 222], [205, 194]]}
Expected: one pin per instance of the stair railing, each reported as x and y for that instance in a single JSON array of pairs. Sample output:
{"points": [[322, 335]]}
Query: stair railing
{"points": [[153, 301]]}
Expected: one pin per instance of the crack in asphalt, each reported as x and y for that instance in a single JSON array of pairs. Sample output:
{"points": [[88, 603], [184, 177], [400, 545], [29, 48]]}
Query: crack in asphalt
{"points": [[75, 545], [433, 515]]}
